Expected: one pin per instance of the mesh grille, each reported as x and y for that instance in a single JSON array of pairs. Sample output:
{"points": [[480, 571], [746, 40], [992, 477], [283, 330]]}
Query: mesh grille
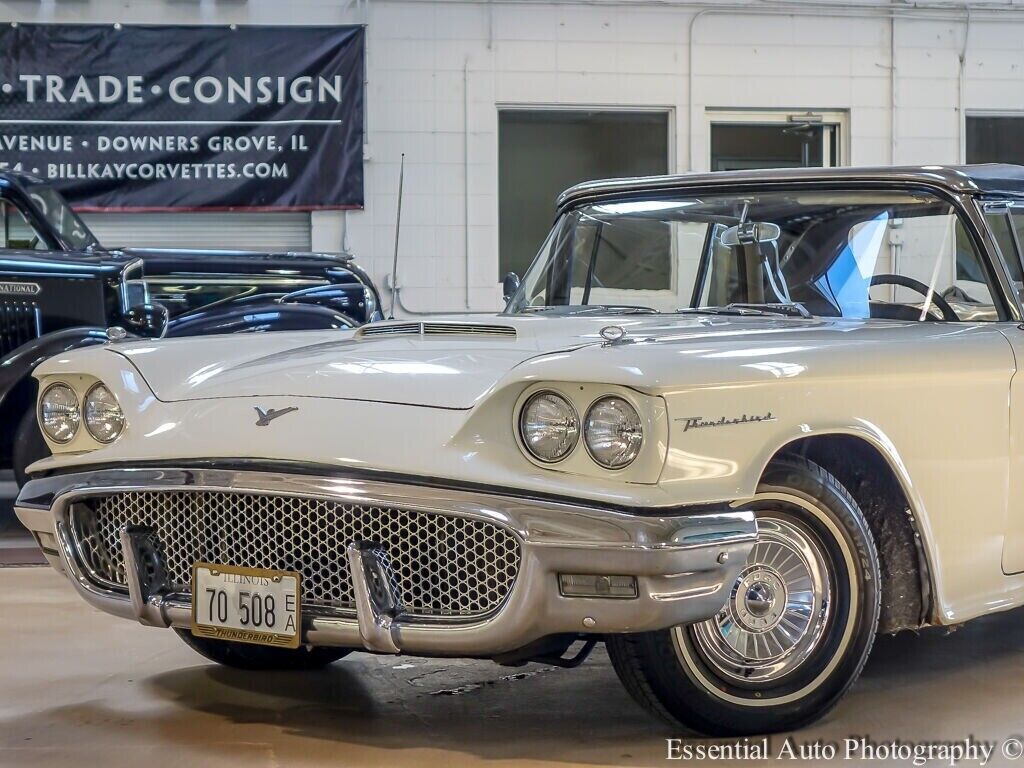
{"points": [[19, 323], [443, 566]]}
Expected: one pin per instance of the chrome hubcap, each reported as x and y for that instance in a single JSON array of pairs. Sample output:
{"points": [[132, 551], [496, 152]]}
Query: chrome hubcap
{"points": [[777, 610]]}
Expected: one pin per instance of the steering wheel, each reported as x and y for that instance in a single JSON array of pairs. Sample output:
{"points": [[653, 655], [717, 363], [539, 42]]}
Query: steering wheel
{"points": [[916, 285]]}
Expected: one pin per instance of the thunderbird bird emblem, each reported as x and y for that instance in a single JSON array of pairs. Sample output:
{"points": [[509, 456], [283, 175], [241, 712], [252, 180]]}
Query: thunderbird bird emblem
{"points": [[265, 417]]}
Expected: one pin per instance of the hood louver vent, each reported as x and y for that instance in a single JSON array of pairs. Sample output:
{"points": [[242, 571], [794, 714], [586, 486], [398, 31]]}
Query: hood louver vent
{"points": [[435, 329]]}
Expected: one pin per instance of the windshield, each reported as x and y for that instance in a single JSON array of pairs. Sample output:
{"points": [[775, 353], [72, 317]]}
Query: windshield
{"points": [[895, 255], [58, 213]]}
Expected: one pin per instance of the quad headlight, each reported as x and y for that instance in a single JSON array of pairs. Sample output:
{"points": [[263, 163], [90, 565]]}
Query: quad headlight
{"points": [[104, 418], [62, 411], [549, 427], [59, 413], [613, 432]]}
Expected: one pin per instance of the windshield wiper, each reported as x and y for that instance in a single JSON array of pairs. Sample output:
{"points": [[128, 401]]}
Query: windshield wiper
{"points": [[592, 309], [754, 310], [793, 309]]}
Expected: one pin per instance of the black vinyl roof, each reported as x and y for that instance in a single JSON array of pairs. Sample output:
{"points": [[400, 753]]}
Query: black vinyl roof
{"points": [[997, 179]]}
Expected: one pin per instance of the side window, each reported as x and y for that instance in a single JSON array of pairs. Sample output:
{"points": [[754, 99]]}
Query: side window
{"points": [[1000, 225], [17, 232], [886, 266], [915, 255]]}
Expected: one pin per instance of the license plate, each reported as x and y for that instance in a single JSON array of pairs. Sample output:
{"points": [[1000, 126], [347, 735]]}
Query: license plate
{"points": [[247, 605]]}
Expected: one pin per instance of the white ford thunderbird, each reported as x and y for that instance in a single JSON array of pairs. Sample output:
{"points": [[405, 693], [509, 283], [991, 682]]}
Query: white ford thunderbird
{"points": [[730, 425]]}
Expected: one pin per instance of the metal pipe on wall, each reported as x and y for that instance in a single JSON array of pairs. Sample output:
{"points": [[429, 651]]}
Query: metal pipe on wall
{"points": [[465, 171], [893, 133], [961, 129]]}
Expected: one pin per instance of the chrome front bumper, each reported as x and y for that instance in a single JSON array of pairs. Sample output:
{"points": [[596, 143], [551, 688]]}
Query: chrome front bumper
{"points": [[684, 564]]}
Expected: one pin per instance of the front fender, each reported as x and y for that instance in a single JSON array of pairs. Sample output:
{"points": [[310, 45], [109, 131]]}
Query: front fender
{"points": [[258, 317], [352, 299]]}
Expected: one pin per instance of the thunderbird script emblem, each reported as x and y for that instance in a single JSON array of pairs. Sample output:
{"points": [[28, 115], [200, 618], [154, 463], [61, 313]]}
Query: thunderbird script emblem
{"points": [[265, 417]]}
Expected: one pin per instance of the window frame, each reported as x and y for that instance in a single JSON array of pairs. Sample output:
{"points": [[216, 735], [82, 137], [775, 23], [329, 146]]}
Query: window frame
{"points": [[7, 204], [992, 206], [668, 110], [839, 120]]}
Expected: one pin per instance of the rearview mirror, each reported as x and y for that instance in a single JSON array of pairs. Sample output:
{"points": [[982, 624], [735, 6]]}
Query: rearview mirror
{"points": [[751, 232], [510, 285]]}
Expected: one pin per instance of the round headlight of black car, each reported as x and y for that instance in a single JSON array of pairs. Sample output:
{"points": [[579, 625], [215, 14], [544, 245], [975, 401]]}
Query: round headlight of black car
{"points": [[59, 414], [613, 432], [549, 426], [104, 418]]}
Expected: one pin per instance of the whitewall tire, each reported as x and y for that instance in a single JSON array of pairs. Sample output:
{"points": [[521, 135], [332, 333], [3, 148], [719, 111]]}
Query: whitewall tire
{"points": [[795, 631]]}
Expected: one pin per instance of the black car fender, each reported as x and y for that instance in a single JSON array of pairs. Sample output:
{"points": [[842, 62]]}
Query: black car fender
{"points": [[351, 299], [255, 317], [18, 388]]}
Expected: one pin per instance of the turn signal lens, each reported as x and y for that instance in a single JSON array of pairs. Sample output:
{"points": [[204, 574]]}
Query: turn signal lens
{"points": [[549, 426], [589, 585], [104, 418], [59, 414], [613, 432]]}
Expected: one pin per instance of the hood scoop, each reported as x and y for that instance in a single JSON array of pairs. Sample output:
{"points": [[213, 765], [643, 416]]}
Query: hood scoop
{"points": [[435, 329]]}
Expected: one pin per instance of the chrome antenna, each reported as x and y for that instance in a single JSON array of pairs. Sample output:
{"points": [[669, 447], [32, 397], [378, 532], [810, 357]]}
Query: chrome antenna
{"points": [[398, 226]]}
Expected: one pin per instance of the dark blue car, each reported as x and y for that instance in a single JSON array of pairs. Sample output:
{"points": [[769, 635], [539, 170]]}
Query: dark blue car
{"points": [[61, 289]]}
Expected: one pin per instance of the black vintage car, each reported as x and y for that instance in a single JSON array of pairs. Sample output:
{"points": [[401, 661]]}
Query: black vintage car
{"points": [[61, 289]]}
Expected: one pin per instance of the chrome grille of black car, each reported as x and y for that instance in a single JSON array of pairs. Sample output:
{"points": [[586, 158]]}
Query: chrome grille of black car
{"points": [[443, 565], [20, 322]]}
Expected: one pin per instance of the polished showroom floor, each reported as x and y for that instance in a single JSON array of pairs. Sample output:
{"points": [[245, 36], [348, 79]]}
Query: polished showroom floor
{"points": [[77, 688]]}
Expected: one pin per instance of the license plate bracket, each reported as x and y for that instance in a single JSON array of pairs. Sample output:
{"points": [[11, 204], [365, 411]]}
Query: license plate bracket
{"points": [[247, 605]]}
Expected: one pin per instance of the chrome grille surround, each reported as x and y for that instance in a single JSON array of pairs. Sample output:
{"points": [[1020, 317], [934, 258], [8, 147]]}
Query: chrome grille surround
{"points": [[443, 565]]}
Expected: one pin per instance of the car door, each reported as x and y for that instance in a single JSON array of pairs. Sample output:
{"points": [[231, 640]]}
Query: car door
{"points": [[1006, 223]]}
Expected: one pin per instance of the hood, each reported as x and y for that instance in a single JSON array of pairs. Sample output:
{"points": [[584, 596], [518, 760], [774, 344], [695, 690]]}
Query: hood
{"points": [[453, 362], [439, 364], [58, 263], [187, 261]]}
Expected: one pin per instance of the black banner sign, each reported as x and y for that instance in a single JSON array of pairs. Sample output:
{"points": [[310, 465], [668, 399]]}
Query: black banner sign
{"points": [[186, 117]]}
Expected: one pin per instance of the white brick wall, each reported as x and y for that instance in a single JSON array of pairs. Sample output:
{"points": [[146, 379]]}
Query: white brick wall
{"points": [[626, 54]]}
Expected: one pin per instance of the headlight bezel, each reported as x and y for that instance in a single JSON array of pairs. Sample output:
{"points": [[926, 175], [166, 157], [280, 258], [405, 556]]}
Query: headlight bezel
{"points": [[85, 418], [521, 432], [42, 421], [639, 420], [653, 412]]}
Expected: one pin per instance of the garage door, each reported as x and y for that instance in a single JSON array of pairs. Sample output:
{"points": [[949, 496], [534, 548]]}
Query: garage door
{"points": [[242, 231]]}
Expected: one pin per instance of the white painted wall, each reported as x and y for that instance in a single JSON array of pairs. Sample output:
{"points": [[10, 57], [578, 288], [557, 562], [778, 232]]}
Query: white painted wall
{"points": [[423, 56]]}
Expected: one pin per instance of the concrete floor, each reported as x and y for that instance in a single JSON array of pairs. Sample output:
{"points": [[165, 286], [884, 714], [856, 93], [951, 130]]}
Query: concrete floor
{"points": [[78, 688]]}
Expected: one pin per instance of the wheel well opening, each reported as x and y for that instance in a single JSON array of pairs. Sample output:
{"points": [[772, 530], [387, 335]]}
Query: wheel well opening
{"points": [[20, 399], [865, 473]]}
